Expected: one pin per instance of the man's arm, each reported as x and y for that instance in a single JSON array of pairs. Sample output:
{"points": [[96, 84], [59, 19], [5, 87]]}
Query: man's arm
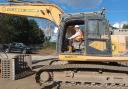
{"points": [[75, 35]]}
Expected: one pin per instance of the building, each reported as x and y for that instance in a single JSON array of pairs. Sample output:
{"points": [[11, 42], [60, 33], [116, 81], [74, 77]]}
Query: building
{"points": [[119, 40]]}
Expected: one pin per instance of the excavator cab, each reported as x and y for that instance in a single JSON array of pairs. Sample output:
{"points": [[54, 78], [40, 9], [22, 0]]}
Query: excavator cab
{"points": [[95, 29]]}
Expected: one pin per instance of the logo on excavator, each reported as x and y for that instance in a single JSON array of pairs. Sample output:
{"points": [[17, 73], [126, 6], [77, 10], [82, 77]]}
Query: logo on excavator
{"points": [[6, 9], [19, 10], [71, 56]]}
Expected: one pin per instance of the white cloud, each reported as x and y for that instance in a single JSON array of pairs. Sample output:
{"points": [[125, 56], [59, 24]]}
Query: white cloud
{"points": [[55, 30], [116, 25], [119, 24]]}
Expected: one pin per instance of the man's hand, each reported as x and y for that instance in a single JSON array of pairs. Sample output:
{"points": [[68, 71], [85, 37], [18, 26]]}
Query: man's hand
{"points": [[69, 38]]}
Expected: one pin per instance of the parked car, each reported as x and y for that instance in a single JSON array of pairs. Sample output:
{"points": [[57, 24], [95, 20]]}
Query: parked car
{"points": [[17, 47]]}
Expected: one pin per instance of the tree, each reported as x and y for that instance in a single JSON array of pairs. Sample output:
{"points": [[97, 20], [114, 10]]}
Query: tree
{"points": [[19, 29], [35, 32], [125, 26]]}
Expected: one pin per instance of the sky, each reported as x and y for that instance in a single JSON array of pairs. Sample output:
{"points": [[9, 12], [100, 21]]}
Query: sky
{"points": [[116, 10]]}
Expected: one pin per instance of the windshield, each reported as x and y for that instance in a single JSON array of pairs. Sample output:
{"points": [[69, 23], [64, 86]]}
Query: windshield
{"points": [[97, 29], [98, 38]]}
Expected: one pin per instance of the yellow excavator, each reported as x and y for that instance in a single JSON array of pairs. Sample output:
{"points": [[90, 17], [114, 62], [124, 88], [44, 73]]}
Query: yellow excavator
{"points": [[91, 64]]}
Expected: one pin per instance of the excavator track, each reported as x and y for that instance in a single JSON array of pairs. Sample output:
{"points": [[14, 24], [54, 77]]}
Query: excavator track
{"points": [[83, 76]]}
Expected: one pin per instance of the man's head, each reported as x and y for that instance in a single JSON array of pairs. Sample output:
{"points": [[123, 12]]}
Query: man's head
{"points": [[77, 28]]}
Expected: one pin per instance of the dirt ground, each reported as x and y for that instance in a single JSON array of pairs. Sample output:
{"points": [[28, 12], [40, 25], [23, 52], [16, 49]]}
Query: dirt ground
{"points": [[46, 51], [25, 83]]}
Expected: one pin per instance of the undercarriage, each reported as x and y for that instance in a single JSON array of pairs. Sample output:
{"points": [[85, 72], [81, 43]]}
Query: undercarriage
{"points": [[83, 75]]}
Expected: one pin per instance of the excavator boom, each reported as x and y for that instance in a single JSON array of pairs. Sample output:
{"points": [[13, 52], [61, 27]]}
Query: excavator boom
{"points": [[47, 11]]}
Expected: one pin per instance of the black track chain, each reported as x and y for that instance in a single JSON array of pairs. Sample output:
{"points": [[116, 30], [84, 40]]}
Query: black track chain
{"points": [[105, 68], [84, 66]]}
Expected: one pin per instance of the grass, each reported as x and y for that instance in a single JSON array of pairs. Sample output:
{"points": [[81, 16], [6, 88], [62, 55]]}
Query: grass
{"points": [[50, 45], [49, 49]]}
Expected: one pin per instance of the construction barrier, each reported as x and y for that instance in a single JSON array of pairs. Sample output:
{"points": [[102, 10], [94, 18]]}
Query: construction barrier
{"points": [[15, 68]]}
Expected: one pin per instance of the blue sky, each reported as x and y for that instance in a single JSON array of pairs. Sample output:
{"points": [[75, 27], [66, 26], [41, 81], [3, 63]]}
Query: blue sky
{"points": [[117, 10]]}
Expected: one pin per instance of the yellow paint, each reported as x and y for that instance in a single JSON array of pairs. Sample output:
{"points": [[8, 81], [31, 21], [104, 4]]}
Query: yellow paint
{"points": [[34, 10], [118, 44], [99, 45], [90, 58]]}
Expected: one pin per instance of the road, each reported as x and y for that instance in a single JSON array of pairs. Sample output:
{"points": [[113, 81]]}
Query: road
{"points": [[28, 82]]}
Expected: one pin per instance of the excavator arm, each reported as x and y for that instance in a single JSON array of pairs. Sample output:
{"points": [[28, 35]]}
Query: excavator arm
{"points": [[47, 11]]}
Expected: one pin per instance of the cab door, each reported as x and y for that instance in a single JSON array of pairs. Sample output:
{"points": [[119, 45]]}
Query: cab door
{"points": [[98, 41]]}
